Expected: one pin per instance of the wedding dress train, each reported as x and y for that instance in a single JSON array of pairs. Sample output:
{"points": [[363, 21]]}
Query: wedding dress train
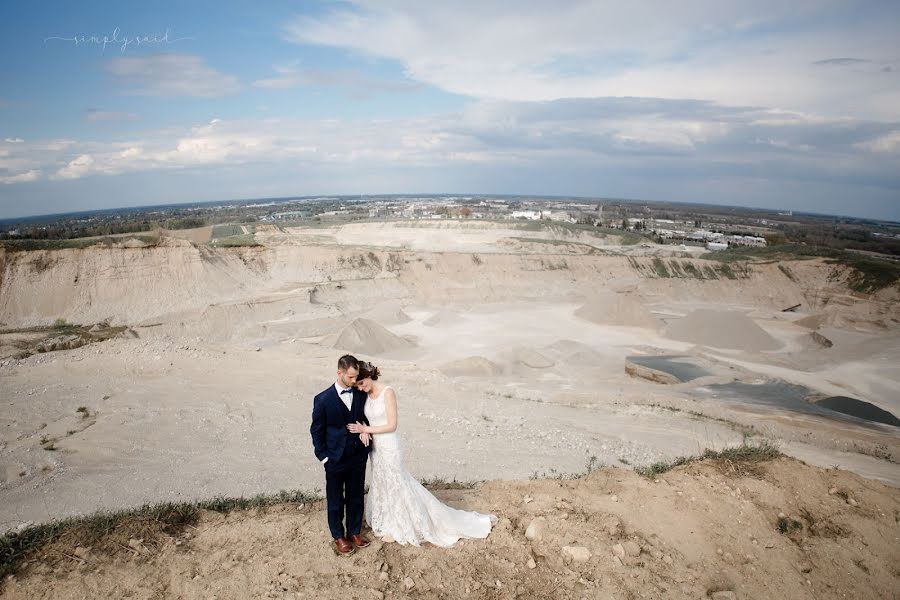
{"points": [[399, 508]]}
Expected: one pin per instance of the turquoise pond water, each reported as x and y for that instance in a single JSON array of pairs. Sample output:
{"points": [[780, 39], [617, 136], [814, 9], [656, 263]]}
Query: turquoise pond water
{"points": [[680, 367]]}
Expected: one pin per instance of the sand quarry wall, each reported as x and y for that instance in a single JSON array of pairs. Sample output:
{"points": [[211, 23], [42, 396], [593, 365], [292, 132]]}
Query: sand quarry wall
{"points": [[135, 285]]}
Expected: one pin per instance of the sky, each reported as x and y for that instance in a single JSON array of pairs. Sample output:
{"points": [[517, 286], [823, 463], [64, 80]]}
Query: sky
{"points": [[771, 104]]}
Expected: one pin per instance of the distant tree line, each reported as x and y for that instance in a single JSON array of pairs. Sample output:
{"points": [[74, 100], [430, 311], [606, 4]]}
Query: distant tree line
{"points": [[74, 230], [843, 237]]}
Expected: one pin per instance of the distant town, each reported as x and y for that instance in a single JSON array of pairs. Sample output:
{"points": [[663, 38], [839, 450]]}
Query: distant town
{"points": [[716, 227]]}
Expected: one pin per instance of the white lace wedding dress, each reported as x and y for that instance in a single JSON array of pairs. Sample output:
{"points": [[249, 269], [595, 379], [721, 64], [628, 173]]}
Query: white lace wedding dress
{"points": [[398, 508]]}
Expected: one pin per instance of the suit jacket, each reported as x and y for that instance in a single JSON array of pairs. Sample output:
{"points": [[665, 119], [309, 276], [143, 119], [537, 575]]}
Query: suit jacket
{"points": [[330, 418]]}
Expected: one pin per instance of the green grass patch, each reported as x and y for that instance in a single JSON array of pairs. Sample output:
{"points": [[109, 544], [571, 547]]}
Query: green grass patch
{"points": [[629, 238], [588, 249], [593, 463], [235, 241], [149, 519], [441, 483], [725, 271], [659, 267], [690, 270], [737, 457], [787, 526], [78, 243], [869, 273], [224, 231]]}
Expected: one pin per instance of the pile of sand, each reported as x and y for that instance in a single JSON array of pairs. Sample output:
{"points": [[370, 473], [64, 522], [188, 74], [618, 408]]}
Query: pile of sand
{"points": [[621, 310], [573, 353], [368, 337], [721, 329], [531, 358], [472, 366], [444, 318]]}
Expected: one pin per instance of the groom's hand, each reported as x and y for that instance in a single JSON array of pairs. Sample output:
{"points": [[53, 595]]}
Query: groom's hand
{"points": [[364, 438]]}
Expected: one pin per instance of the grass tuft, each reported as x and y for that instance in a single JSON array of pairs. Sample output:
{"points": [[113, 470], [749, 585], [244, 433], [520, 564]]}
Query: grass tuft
{"points": [[164, 517], [739, 456]]}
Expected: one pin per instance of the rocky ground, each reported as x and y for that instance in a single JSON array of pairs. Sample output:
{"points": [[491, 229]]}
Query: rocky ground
{"points": [[713, 529]]}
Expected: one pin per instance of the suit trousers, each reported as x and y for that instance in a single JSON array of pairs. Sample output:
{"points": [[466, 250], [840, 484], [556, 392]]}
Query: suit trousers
{"points": [[345, 486]]}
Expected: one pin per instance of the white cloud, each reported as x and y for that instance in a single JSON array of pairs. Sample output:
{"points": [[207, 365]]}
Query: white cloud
{"points": [[79, 167], [692, 138], [761, 54], [172, 75], [13, 140], [883, 144], [20, 178]]}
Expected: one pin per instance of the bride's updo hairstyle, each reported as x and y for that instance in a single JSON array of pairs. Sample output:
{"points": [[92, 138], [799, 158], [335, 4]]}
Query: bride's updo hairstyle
{"points": [[368, 371]]}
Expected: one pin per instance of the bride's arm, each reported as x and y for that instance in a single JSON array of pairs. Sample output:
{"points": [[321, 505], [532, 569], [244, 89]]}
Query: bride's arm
{"points": [[390, 406]]}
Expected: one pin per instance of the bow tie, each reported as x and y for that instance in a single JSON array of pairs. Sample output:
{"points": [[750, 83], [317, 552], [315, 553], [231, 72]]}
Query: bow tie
{"points": [[347, 391]]}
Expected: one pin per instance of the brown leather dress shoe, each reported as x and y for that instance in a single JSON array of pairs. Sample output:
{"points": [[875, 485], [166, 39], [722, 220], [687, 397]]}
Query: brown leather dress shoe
{"points": [[359, 541], [343, 546]]}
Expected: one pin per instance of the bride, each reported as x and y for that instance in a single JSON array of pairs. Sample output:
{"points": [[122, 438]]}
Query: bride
{"points": [[399, 509]]}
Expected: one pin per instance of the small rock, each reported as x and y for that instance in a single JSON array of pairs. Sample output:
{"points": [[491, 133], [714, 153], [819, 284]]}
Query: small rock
{"points": [[23, 526], [531, 564], [535, 529], [852, 502], [383, 576], [578, 554], [618, 561], [613, 527], [632, 548], [770, 544], [619, 551], [135, 544], [408, 583], [667, 559], [832, 491], [82, 553], [527, 499], [614, 498]]}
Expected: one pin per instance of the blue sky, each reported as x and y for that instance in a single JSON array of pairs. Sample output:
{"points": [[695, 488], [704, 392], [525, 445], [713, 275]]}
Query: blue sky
{"points": [[766, 103]]}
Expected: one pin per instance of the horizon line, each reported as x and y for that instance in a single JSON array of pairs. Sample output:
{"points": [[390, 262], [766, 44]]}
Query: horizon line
{"points": [[46, 216]]}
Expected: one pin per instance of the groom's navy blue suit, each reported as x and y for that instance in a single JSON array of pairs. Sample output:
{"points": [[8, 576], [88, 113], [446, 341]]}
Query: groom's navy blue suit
{"points": [[345, 469]]}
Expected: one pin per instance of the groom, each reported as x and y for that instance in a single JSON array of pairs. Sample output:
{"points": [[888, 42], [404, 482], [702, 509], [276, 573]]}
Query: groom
{"points": [[343, 454]]}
